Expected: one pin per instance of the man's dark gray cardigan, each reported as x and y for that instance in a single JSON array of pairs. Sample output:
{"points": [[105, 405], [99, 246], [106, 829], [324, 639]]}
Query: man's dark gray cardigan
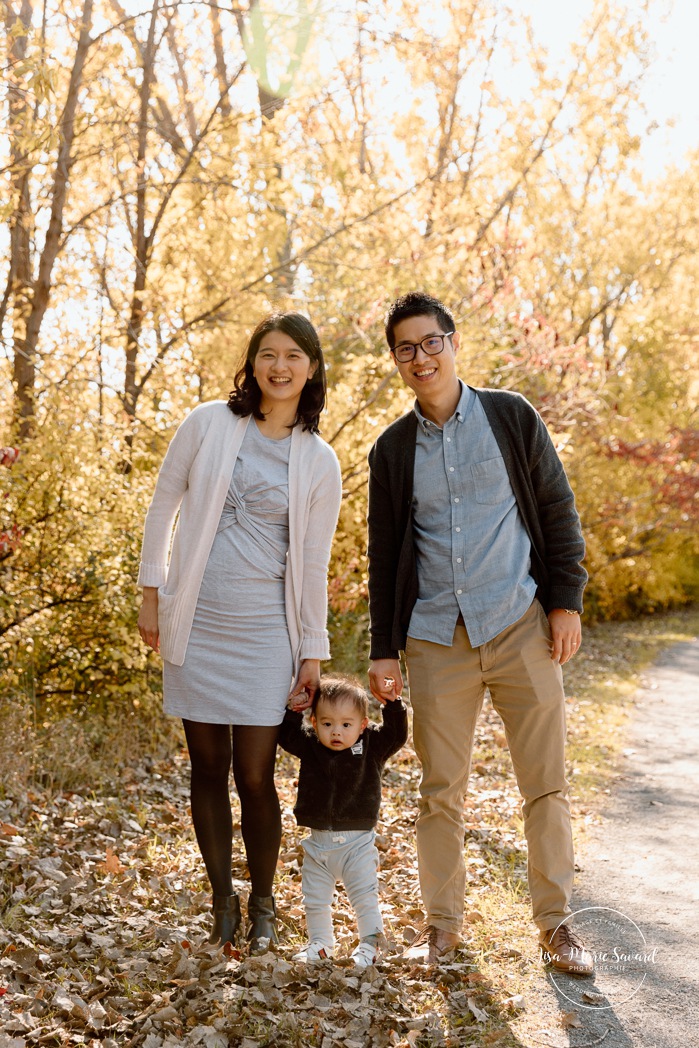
{"points": [[544, 497]]}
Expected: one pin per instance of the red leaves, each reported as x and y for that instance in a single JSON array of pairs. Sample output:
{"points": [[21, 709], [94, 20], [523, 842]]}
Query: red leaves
{"points": [[8, 456], [10, 538], [670, 466]]}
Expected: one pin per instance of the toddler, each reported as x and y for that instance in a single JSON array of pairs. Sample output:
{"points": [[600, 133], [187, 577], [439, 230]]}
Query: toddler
{"points": [[339, 795]]}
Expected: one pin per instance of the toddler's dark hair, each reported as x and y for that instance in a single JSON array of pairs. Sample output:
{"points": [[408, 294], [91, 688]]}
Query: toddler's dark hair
{"points": [[336, 688]]}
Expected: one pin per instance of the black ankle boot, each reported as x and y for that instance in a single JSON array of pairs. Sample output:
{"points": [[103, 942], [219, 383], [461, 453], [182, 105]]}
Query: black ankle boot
{"points": [[262, 932], [226, 910]]}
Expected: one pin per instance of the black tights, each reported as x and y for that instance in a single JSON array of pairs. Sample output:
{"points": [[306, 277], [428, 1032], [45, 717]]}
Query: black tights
{"points": [[251, 750]]}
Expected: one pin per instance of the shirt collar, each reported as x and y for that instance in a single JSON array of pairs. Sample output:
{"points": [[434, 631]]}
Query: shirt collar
{"points": [[462, 409]]}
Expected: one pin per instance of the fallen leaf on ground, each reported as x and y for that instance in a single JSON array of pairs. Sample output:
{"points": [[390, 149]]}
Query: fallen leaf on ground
{"points": [[593, 998], [478, 1013], [112, 863], [108, 912]]}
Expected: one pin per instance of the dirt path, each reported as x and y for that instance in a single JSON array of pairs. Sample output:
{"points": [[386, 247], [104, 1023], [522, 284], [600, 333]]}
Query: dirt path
{"points": [[638, 885]]}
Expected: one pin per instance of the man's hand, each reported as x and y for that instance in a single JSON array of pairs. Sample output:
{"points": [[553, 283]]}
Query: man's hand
{"points": [[566, 634], [385, 680]]}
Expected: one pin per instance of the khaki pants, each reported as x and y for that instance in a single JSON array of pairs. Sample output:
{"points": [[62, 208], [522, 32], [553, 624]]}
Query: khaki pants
{"points": [[447, 687]]}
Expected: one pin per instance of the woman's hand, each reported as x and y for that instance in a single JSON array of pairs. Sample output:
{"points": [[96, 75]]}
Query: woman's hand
{"points": [[307, 683], [148, 618]]}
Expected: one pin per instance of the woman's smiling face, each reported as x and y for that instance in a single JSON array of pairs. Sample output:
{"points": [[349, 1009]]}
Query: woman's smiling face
{"points": [[281, 369]]}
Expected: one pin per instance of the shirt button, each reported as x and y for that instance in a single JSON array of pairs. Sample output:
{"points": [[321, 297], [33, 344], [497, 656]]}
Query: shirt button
{"points": [[459, 591], [456, 500], [458, 560], [457, 529], [448, 440], [451, 469]]}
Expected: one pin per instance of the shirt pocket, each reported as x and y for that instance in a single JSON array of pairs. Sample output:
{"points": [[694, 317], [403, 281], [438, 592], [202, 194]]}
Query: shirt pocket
{"points": [[491, 482]]}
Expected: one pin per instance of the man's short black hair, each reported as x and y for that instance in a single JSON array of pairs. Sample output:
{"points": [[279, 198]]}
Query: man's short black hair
{"points": [[417, 304]]}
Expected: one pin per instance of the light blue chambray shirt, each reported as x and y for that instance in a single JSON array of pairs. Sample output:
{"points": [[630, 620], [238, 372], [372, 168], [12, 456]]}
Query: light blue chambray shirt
{"points": [[472, 550]]}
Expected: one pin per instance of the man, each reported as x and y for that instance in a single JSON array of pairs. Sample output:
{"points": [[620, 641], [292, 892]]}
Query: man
{"points": [[475, 572]]}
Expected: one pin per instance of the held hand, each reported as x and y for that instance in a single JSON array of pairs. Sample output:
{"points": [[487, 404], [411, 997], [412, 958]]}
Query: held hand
{"points": [[307, 683], [148, 618], [566, 634], [385, 680]]}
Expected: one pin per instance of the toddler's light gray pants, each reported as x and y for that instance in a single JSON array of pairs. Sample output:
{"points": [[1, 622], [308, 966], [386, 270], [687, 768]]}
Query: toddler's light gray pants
{"points": [[347, 856]]}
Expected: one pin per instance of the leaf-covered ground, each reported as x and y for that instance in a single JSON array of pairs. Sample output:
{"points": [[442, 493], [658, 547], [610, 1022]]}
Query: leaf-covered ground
{"points": [[105, 906], [106, 916]]}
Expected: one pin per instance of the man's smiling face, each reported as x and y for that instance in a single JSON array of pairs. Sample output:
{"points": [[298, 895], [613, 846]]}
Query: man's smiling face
{"points": [[430, 377]]}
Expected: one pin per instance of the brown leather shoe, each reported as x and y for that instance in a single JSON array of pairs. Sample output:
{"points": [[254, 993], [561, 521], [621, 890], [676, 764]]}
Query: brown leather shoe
{"points": [[565, 951], [431, 945]]}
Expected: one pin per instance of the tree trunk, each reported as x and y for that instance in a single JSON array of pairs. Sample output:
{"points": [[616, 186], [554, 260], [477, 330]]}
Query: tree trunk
{"points": [[18, 290], [142, 241], [31, 296]]}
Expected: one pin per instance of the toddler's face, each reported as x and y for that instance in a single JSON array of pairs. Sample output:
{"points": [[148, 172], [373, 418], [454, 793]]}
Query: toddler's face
{"points": [[338, 726]]}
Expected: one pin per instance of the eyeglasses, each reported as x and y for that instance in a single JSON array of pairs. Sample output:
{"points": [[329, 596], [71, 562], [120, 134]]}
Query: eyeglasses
{"points": [[432, 345]]}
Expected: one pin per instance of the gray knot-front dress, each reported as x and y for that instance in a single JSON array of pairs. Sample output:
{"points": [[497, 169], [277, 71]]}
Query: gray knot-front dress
{"points": [[238, 665]]}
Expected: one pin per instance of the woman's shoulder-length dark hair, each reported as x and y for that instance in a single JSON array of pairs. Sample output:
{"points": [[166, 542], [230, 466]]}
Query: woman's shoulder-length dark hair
{"points": [[245, 398]]}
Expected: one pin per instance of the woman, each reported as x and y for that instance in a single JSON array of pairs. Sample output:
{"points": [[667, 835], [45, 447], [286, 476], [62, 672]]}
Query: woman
{"points": [[239, 612]]}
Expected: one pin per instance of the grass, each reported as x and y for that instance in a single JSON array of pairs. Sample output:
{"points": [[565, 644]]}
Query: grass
{"points": [[600, 684]]}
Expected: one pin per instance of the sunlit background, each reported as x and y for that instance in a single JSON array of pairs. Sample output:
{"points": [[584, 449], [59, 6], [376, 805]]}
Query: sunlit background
{"points": [[669, 90], [171, 173]]}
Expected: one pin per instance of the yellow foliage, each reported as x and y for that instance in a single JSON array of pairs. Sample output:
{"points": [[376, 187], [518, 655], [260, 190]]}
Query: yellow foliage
{"points": [[197, 202]]}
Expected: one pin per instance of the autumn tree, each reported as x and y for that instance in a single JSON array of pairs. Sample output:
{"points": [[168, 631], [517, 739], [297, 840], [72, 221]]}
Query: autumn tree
{"points": [[42, 129], [175, 172]]}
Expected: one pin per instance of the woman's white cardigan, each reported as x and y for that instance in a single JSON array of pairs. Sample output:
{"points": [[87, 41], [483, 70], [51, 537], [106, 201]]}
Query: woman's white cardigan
{"points": [[194, 480]]}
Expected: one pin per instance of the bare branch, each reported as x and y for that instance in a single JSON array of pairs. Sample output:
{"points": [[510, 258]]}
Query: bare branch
{"points": [[371, 399]]}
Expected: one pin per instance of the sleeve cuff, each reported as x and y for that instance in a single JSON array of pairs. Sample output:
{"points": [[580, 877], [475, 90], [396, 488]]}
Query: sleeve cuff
{"points": [[565, 598], [151, 574], [315, 645], [381, 648]]}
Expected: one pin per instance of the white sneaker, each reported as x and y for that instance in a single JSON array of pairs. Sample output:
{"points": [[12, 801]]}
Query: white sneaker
{"points": [[314, 951], [365, 955]]}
